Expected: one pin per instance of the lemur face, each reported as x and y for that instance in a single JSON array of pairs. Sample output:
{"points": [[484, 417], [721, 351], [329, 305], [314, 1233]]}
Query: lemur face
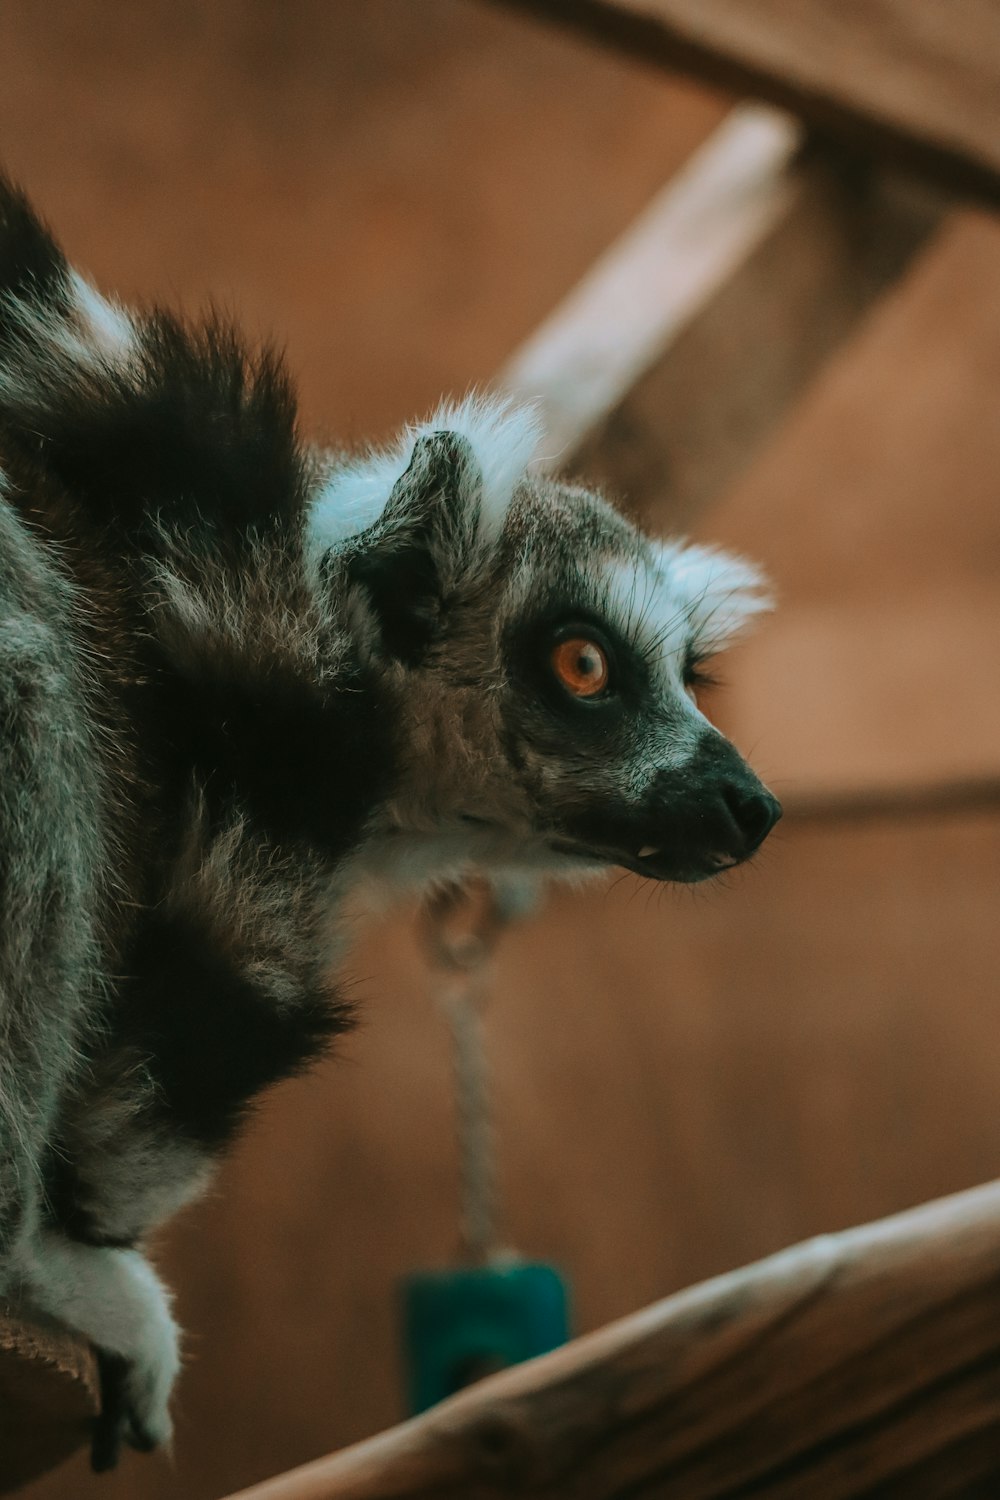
{"points": [[606, 641], [547, 655]]}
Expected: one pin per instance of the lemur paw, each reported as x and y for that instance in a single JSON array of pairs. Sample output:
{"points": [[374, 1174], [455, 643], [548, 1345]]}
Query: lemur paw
{"points": [[135, 1396], [121, 1420], [116, 1300]]}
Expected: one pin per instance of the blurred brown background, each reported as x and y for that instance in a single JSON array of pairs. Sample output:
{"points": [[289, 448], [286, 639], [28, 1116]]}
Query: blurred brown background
{"points": [[399, 192]]}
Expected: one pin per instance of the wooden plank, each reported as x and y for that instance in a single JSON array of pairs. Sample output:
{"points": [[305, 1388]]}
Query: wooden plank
{"points": [[48, 1396], [872, 804], [874, 512], [916, 82], [655, 279], [861, 1363], [688, 340]]}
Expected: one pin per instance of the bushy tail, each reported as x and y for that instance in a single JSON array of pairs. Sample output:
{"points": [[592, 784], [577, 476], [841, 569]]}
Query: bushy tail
{"points": [[147, 422]]}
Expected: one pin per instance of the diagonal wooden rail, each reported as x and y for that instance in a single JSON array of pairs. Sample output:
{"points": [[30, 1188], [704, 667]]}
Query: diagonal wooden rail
{"points": [[913, 82], [860, 1364], [864, 1363], [686, 343]]}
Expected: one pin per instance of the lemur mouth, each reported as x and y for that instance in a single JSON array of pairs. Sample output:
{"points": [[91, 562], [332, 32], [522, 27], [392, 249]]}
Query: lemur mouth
{"points": [[651, 861], [718, 860]]}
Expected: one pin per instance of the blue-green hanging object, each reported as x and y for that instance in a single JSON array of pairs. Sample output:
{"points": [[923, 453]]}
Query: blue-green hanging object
{"points": [[462, 1324], [465, 1322]]}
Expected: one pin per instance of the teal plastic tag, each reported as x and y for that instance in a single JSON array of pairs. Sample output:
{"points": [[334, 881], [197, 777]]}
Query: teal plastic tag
{"points": [[460, 1325]]}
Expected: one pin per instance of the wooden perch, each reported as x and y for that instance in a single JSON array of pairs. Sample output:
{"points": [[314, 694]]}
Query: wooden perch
{"points": [[865, 1363], [48, 1395]]}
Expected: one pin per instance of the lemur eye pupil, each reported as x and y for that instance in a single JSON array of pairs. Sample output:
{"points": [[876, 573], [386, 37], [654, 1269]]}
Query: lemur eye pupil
{"points": [[581, 666]]}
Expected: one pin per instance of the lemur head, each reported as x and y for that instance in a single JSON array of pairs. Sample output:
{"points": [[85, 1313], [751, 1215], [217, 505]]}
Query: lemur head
{"points": [[545, 655], [537, 651]]}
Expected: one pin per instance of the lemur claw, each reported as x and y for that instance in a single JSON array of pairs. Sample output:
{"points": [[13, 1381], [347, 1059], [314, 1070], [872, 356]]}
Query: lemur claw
{"points": [[108, 1427], [118, 1422]]}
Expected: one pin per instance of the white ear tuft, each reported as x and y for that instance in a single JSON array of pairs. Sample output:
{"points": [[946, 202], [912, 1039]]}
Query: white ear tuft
{"points": [[721, 593], [502, 436]]}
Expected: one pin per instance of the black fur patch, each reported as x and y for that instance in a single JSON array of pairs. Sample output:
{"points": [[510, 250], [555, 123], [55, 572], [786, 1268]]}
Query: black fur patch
{"points": [[213, 1038], [308, 763], [197, 432], [65, 1206], [32, 267], [405, 591], [397, 561], [199, 436]]}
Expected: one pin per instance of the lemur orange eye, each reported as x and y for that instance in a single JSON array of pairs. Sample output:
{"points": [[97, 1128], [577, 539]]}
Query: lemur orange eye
{"points": [[581, 666]]}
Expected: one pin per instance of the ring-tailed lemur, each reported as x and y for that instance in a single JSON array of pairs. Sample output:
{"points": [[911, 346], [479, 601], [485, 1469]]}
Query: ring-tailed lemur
{"points": [[237, 678]]}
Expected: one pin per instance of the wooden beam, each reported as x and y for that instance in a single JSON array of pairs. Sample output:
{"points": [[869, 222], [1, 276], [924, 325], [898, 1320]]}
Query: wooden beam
{"points": [[875, 804], [48, 1396], [913, 82], [684, 345], [865, 1363], [658, 276]]}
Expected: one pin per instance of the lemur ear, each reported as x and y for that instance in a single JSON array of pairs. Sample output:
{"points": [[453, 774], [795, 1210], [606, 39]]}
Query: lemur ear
{"points": [[408, 559], [412, 523]]}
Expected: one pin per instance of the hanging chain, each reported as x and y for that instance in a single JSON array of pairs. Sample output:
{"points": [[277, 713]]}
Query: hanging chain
{"points": [[461, 925]]}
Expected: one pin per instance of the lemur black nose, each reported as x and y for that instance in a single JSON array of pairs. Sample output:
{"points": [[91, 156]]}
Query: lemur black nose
{"points": [[754, 812]]}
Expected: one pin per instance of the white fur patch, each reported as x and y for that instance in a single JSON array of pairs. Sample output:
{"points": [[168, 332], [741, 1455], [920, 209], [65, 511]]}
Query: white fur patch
{"points": [[503, 437], [689, 600], [719, 594], [58, 346], [117, 1301], [107, 324]]}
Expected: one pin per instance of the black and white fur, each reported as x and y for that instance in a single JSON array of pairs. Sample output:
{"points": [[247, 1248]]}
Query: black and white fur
{"points": [[239, 679]]}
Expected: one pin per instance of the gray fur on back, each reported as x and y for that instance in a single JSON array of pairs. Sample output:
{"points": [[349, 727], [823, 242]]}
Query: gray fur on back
{"points": [[53, 863]]}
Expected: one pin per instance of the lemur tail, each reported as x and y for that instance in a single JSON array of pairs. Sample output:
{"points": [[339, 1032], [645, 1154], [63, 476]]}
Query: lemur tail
{"points": [[147, 422]]}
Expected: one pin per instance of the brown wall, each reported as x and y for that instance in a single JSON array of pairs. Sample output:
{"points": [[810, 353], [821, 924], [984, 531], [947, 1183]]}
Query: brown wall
{"points": [[400, 191]]}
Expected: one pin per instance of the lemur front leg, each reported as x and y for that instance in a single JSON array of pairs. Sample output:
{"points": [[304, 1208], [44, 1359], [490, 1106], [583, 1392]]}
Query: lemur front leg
{"points": [[228, 991], [116, 1171], [114, 1298]]}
